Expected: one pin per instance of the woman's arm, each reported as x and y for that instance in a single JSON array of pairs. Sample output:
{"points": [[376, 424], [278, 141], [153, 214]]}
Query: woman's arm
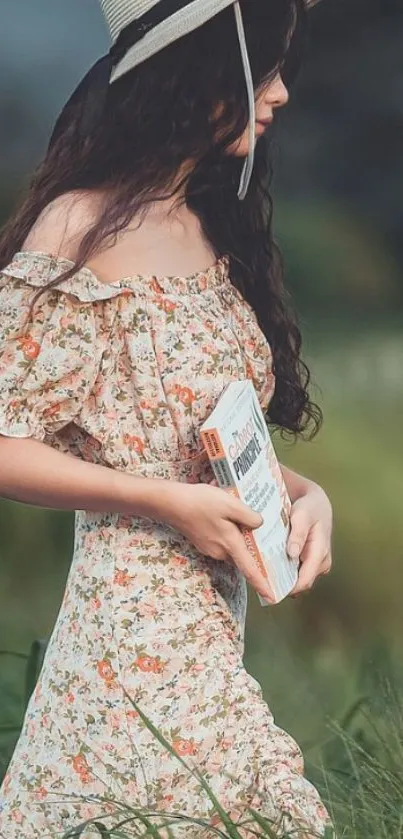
{"points": [[34, 473], [296, 484]]}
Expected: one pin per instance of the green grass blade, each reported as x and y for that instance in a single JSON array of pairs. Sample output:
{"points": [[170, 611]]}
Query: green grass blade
{"points": [[226, 819]]}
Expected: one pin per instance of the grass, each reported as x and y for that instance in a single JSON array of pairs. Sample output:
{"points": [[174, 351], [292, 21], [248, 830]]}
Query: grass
{"points": [[358, 770], [325, 672]]}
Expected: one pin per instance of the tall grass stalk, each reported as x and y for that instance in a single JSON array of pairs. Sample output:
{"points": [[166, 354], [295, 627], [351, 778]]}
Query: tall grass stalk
{"points": [[360, 777]]}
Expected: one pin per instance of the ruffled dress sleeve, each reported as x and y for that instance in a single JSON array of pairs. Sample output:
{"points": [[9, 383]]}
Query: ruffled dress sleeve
{"points": [[48, 369]]}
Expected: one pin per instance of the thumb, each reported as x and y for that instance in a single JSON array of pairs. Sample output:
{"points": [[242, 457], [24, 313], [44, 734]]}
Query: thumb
{"points": [[256, 519], [244, 515], [298, 535], [252, 518]]}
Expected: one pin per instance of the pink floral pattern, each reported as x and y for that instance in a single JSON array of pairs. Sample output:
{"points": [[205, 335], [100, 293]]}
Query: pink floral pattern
{"points": [[123, 374]]}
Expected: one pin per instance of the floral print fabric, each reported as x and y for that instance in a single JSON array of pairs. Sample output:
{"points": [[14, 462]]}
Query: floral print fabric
{"points": [[122, 375]]}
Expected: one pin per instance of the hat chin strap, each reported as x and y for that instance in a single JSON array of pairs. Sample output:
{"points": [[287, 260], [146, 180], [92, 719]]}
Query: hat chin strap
{"points": [[248, 165]]}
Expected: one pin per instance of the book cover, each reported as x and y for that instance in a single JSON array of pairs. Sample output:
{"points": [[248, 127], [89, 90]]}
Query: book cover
{"points": [[244, 462]]}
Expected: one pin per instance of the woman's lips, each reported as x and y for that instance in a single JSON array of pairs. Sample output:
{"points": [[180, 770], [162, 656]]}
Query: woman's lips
{"points": [[261, 126]]}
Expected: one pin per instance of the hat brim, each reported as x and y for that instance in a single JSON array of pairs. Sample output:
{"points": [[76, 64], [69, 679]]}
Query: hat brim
{"points": [[180, 23]]}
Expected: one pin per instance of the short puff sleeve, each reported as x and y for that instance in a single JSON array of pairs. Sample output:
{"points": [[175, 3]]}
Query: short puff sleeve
{"points": [[47, 371]]}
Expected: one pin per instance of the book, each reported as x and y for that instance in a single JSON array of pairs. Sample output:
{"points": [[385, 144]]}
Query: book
{"points": [[238, 443]]}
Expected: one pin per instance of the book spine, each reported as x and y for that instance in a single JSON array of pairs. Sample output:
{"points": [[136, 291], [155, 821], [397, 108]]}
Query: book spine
{"points": [[225, 479]]}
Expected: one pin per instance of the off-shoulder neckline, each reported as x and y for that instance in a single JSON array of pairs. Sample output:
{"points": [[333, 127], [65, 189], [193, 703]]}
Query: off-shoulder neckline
{"points": [[130, 278], [38, 269]]}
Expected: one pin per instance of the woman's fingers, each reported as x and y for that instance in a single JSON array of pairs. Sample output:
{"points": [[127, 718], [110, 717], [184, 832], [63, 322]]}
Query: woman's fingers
{"points": [[244, 560], [326, 565], [299, 529], [315, 563]]}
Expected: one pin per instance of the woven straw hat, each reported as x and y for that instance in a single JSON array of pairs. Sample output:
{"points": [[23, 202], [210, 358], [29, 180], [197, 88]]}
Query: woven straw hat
{"points": [[141, 28]]}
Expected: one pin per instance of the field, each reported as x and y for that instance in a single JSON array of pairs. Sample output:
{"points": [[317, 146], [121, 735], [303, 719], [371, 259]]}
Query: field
{"points": [[329, 663]]}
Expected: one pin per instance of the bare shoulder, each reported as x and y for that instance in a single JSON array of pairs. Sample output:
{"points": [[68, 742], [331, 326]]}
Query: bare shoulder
{"points": [[61, 226]]}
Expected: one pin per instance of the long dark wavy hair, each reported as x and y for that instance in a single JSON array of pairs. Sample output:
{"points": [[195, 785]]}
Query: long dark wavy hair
{"points": [[189, 102]]}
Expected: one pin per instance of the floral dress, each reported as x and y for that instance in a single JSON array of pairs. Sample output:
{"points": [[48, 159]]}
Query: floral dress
{"points": [[122, 375]]}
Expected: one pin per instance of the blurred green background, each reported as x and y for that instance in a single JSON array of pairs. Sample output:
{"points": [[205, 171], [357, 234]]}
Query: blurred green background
{"points": [[338, 191]]}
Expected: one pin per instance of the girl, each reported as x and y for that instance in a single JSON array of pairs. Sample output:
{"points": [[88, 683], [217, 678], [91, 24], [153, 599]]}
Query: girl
{"points": [[117, 341]]}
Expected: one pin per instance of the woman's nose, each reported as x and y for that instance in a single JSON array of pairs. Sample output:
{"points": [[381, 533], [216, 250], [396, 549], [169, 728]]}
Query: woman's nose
{"points": [[278, 94]]}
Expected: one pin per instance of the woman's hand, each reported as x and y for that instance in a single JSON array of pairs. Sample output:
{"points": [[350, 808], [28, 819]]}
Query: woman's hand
{"points": [[211, 518], [310, 536]]}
